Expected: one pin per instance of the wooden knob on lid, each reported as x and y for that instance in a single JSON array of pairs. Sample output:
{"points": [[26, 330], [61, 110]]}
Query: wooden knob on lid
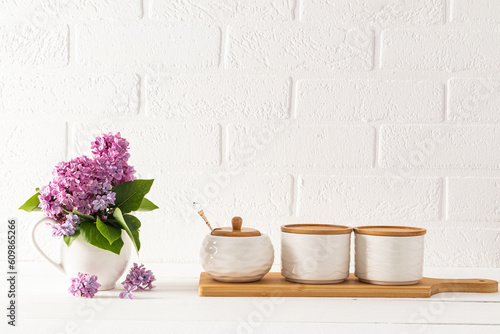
{"points": [[236, 230], [236, 222]]}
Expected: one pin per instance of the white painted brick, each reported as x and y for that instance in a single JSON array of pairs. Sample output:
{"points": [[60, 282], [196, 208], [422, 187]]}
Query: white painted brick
{"points": [[29, 152], [374, 12], [25, 45], [287, 145], [76, 94], [370, 200], [474, 100], [461, 247], [148, 45], [475, 10], [428, 146], [473, 199], [221, 97], [156, 144], [293, 47], [41, 12], [440, 49], [258, 198], [369, 100], [236, 10]]}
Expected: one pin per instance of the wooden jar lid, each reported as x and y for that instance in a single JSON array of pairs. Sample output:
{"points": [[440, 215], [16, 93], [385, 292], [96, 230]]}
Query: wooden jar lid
{"points": [[236, 230], [316, 229], [390, 231]]}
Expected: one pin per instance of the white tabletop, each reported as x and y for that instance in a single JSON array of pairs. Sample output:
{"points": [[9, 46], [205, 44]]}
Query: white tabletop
{"points": [[45, 306]]}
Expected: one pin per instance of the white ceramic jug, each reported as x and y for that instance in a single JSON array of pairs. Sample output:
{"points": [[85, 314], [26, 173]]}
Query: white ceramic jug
{"points": [[88, 259]]}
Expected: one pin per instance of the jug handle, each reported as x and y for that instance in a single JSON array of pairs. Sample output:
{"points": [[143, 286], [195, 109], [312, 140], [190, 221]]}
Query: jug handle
{"points": [[42, 253]]}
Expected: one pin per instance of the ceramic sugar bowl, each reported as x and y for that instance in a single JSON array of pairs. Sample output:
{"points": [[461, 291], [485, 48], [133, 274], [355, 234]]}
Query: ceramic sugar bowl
{"points": [[236, 254]]}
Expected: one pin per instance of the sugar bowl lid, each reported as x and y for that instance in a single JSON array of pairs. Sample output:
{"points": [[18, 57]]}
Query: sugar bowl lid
{"points": [[316, 229], [236, 230], [391, 231]]}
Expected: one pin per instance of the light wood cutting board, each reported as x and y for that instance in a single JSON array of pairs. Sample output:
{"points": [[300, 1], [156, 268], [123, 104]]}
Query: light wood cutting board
{"points": [[273, 284]]}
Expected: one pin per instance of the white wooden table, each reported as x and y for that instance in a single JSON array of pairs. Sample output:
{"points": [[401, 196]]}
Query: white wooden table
{"points": [[45, 306]]}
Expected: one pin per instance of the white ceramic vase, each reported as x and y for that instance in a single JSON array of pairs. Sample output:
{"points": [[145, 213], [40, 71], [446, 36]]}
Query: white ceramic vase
{"points": [[88, 259]]}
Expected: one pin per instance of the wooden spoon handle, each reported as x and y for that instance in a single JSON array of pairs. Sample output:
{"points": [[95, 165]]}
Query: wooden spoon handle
{"points": [[464, 285]]}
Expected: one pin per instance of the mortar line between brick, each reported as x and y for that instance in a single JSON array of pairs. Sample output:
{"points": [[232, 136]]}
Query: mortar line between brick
{"points": [[447, 11], [376, 143], [224, 46], [293, 99], [445, 116], [223, 145], [297, 180], [377, 49], [141, 108], [73, 45], [297, 10], [67, 141], [444, 199], [70, 45], [146, 9]]}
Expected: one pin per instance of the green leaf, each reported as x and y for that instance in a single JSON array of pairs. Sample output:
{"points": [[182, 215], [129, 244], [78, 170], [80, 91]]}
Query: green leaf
{"points": [[134, 224], [131, 226], [129, 195], [108, 231], [112, 222], [91, 234], [89, 218], [68, 239], [31, 204], [147, 205]]}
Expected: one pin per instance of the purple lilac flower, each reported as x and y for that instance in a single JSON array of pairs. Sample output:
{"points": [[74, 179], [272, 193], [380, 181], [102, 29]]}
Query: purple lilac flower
{"points": [[140, 277], [79, 183], [66, 228], [129, 289], [100, 203], [111, 197], [84, 285]]}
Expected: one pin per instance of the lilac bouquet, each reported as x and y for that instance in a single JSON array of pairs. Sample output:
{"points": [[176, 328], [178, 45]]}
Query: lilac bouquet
{"points": [[93, 197]]}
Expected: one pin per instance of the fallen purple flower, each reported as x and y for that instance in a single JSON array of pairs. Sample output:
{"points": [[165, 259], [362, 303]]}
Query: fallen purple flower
{"points": [[129, 289], [140, 277], [84, 285]]}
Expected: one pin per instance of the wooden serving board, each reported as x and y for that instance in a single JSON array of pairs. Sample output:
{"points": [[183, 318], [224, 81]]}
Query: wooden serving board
{"points": [[273, 284]]}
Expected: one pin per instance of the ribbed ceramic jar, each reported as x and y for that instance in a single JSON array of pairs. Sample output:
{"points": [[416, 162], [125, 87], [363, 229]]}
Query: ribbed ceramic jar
{"points": [[229, 259], [236, 254], [389, 255], [315, 253]]}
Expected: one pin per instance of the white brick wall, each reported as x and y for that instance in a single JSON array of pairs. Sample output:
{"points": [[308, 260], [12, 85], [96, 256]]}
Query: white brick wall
{"points": [[281, 111]]}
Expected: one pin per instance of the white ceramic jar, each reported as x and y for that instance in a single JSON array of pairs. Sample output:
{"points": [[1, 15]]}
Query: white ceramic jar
{"points": [[315, 253], [389, 255], [237, 254]]}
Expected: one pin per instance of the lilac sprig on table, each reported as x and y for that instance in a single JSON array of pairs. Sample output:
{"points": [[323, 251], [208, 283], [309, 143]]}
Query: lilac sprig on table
{"points": [[84, 285], [93, 197], [138, 278], [129, 289]]}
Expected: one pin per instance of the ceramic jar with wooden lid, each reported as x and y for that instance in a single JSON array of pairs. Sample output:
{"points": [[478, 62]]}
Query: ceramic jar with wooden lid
{"points": [[236, 254], [389, 255], [315, 253]]}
